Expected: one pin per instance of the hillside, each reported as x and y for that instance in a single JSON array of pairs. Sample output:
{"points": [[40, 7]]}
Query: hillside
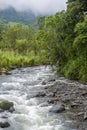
{"points": [[11, 15]]}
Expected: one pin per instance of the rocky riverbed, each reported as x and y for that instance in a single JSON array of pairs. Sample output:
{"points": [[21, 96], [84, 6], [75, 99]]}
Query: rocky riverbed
{"points": [[35, 98], [70, 98]]}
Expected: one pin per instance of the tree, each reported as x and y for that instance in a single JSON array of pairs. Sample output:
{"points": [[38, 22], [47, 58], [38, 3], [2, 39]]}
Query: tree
{"points": [[10, 35], [41, 22], [80, 42], [2, 27]]}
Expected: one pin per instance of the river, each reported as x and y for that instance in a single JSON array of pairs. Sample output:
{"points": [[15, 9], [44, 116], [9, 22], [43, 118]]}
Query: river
{"points": [[31, 113]]}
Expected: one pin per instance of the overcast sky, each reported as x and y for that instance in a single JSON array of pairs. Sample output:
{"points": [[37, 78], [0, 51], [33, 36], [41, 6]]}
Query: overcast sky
{"points": [[37, 6]]}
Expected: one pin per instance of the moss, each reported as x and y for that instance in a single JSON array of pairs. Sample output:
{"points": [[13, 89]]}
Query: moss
{"points": [[6, 105]]}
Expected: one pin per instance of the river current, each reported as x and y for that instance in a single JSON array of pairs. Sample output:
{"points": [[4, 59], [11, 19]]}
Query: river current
{"points": [[31, 113]]}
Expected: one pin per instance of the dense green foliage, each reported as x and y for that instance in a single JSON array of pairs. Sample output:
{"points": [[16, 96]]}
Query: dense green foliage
{"points": [[19, 47], [60, 40], [65, 38], [11, 15]]}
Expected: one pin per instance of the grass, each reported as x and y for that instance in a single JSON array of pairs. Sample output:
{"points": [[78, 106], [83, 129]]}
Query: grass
{"points": [[76, 69], [11, 59]]}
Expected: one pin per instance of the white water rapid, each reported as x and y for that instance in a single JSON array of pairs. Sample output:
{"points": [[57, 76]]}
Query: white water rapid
{"points": [[31, 113]]}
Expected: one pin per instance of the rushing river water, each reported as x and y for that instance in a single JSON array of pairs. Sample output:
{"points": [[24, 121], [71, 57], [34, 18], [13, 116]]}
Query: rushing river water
{"points": [[31, 113]]}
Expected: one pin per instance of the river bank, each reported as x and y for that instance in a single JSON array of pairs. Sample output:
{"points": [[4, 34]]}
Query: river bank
{"points": [[10, 60], [73, 99]]}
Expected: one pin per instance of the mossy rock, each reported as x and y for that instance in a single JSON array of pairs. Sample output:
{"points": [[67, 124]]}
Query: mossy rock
{"points": [[4, 124], [6, 105]]}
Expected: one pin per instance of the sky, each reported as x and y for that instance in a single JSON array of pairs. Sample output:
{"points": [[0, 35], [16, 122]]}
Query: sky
{"points": [[37, 6]]}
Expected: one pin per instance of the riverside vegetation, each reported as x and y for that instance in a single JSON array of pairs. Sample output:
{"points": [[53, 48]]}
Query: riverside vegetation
{"points": [[60, 40]]}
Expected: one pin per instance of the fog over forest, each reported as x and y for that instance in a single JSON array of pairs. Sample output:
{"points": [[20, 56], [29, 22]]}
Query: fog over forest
{"points": [[37, 6]]}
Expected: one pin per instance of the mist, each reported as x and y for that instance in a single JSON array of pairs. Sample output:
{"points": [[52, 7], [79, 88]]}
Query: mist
{"points": [[36, 6]]}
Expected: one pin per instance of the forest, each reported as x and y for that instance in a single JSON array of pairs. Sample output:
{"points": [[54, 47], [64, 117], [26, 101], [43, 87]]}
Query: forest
{"points": [[12, 15], [59, 40]]}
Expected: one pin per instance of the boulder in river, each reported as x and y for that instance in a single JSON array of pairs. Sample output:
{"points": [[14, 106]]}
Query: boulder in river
{"points": [[58, 108], [4, 124], [6, 106], [40, 94], [43, 83], [52, 80]]}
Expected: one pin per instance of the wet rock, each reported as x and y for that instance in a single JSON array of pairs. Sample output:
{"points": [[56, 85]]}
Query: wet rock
{"points": [[80, 114], [85, 116], [5, 71], [66, 99], [74, 105], [84, 93], [11, 109], [13, 67], [45, 104], [4, 117], [8, 73], [4, 124], [72, 125], [40, 94], [51, 101], [43, 83], [50, 94], [52, 80], [6, 106], [57, 108]]}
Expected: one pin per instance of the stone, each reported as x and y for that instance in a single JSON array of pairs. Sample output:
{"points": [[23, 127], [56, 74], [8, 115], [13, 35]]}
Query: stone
{"points": [[43, 83], [11, 109], [66, 100], [50, 94], [5, 71], [4, 124], [74, 105], [13, 67], [84, 93], [6, 106], [51, 101], [4, 117], [8, 73], [57, 108], [85, 116], [40, 94], [52, 80], [80, 114], [45, 104]]}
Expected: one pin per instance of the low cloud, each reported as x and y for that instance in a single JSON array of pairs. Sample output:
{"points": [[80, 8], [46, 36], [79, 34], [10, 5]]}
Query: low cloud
{"points": [[37, 6]]}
